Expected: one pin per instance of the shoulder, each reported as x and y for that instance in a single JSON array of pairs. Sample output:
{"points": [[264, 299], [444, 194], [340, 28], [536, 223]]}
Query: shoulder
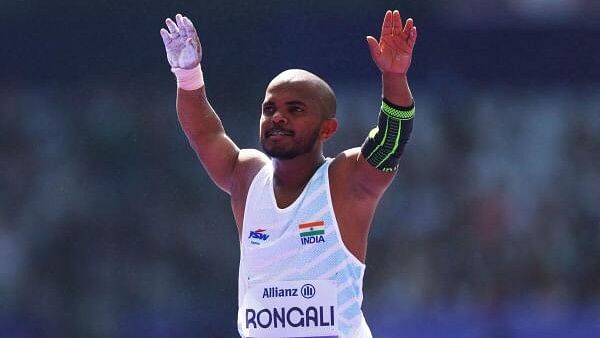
{"points": [[249, 163], [249, 156], [347, 157], [342, 169], [342, 166]]}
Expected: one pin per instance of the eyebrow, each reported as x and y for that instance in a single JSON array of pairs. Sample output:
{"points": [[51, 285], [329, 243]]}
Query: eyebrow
{"points": [[288, 103]]}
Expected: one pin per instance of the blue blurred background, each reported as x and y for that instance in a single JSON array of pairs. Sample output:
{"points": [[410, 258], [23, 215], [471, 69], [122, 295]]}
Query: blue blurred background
{"points": [[109, 227]]}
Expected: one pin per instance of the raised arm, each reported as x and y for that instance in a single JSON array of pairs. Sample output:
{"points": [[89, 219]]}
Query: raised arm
{"points": [[377, 160], [218, 153]]}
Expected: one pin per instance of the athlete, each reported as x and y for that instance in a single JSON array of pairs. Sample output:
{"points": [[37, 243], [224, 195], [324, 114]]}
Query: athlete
{"points": [[302, 219]]}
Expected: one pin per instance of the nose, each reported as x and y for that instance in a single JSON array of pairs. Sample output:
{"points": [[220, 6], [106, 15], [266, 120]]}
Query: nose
{"points": [[279, 118]]}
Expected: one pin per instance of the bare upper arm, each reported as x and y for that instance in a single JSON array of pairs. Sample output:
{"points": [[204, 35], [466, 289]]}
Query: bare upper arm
{"points": [[356, 188], [366, 179], [249, 163], [224, 162]]}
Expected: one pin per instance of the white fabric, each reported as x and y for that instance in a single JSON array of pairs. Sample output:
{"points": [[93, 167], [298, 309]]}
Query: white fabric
{"points": [[189, 79], [276, 259]]}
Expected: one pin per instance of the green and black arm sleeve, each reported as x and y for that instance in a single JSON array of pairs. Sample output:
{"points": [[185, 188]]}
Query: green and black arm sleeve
{"points": [[385, 143]]}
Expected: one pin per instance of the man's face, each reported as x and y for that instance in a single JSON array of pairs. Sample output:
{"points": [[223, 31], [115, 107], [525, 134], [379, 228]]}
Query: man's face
{"points": [[290, 122]]}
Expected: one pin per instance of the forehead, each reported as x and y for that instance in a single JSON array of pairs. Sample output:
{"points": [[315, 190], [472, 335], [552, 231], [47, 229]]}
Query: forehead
{"points": [[290, 91]]}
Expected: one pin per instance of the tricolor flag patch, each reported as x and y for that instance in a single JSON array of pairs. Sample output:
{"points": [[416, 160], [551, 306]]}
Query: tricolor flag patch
{"points": [[312, 228]]}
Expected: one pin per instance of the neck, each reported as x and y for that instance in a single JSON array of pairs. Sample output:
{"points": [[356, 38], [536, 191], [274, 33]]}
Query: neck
{"points": [[296, 172]]}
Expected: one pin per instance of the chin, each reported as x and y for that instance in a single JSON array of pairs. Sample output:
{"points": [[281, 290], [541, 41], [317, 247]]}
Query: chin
{"points": [[279, 153]]}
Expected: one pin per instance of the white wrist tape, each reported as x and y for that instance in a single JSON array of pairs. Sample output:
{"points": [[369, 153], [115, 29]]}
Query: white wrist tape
{"points": [[189, 79]]}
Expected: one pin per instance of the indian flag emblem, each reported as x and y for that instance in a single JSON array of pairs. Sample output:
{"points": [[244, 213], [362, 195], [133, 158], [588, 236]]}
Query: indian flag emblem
{"points": [[312, 228]]}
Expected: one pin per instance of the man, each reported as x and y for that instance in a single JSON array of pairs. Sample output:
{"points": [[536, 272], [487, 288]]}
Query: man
{"points": [[302, 219]]}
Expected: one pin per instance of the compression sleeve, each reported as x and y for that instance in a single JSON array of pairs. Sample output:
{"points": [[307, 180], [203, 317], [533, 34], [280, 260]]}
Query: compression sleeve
{"points": [[385, 143]]}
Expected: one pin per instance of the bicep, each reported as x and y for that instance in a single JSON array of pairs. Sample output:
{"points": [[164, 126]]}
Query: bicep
{"points": [[367, 179], [219, 157], [230, 167]]}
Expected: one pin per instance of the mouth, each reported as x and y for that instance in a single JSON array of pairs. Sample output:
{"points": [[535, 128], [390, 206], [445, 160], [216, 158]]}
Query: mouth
{"points": [[278, 132]]}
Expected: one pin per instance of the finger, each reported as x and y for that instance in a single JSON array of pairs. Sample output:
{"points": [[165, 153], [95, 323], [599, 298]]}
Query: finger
{"points": [[179, 20], [373, 47], [412, 38], [386, 27], [172, 26], [408, 26], [166, 37], [188, 26], [397, 23]]}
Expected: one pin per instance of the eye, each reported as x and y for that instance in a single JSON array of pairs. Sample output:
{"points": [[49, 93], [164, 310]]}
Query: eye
{"points": [[268, 110], [296, 109]]}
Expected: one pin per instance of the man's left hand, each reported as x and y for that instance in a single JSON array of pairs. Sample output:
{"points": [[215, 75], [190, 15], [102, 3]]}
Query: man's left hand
{"points": [[393, 52]]}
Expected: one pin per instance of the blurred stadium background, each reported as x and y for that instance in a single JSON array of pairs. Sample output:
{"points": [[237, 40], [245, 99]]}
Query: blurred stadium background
{"points": [[109, 227]]}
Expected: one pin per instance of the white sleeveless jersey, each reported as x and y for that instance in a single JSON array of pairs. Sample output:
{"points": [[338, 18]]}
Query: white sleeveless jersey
{"points": [[296, 277]]}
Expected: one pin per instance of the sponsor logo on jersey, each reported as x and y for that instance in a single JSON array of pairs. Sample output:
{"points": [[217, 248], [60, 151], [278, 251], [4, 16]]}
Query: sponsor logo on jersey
{"points": [[258, 234], [307, 291], [274, 292], [312, 232]]}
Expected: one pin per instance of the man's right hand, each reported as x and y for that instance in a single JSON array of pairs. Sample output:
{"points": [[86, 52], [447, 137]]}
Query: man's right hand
{"points": [[181, 43]]}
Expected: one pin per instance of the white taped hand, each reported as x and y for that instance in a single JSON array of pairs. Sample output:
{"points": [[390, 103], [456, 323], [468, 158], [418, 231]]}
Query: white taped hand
{"points": [[181, 43]]}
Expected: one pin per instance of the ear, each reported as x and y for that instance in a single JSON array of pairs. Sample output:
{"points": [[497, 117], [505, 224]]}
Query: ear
{"points": [[328, 128]]}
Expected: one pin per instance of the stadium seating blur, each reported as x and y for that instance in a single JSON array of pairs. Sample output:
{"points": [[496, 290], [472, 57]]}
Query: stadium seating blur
{"points": [[109, 227]]}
